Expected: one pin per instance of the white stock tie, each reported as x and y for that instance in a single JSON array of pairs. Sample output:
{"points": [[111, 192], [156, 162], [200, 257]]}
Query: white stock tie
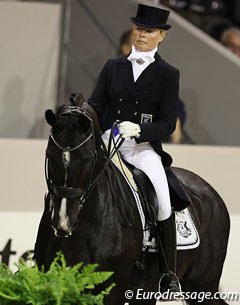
{"points": [[140, 61]]}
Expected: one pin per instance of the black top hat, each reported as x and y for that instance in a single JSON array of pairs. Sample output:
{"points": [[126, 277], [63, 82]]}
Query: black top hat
{"points": [[151, 17]]}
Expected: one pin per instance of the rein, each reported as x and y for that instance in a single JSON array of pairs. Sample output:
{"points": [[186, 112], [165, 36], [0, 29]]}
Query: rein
{"points": [[109, 153]]}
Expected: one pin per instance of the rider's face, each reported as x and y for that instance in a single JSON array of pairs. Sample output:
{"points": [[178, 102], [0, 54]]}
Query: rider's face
{"points": [[146, 39]]}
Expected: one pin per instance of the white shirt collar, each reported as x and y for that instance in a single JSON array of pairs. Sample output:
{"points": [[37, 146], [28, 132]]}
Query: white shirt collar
{"points": [[142, 58], [144, 54]]}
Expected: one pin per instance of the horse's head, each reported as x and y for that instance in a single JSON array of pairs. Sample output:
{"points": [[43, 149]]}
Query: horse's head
{"points": [[71, 157]]}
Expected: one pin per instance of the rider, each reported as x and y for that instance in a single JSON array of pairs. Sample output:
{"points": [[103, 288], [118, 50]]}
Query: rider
{"points": [[141, 90]]}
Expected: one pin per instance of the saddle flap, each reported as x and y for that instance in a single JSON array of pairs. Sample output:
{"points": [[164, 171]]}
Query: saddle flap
{"points": [[147, 191]]}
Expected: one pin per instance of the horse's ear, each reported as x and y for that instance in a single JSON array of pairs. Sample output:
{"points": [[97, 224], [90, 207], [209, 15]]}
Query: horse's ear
{"points": [[50, 117], [77, 99]]}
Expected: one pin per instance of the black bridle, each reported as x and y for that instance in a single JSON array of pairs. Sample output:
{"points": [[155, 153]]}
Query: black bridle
{"points": [[68, 191], [80, 192]]}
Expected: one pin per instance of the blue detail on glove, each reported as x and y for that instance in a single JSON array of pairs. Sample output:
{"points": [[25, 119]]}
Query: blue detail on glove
{"points": [[115, 132]]}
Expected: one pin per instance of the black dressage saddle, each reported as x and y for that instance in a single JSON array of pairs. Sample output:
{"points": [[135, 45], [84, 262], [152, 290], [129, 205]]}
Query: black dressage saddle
{"points": [[148, 196]]}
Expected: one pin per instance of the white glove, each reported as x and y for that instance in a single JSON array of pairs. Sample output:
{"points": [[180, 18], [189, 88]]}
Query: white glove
{"points": [[129, 129]]}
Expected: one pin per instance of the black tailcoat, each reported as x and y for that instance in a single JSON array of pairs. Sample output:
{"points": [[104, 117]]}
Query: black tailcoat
{"points": [[155, 93]]}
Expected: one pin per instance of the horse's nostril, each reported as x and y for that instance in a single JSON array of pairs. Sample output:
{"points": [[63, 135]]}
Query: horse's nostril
{"points": [[62, 233]]}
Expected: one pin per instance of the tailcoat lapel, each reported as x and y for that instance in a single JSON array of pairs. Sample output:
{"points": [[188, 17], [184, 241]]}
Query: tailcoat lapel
{"points": [[150, 73], [126, 74]]}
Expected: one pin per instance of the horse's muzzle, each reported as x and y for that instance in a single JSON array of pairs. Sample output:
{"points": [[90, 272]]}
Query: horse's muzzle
{"points": [[62, 233]]}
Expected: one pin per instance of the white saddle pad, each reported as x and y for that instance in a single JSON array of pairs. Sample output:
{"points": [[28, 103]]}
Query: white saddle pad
{"points": [[187, 234]]}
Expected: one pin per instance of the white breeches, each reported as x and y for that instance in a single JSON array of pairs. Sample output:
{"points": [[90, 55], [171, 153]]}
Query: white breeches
{"points": [[145, 158]]}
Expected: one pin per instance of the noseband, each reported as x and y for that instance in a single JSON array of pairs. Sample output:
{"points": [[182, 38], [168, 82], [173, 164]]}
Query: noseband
{"points": [[67, 191]]}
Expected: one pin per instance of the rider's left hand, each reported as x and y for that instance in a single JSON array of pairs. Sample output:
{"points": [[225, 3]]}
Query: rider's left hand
{"points": [[129, 129]]}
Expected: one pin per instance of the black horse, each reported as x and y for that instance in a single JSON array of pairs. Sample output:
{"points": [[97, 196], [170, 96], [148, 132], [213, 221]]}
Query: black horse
{"points": [[91, 215]]}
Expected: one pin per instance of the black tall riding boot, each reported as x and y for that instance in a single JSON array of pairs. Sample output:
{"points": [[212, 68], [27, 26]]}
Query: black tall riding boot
{"points": [[167, 234]]}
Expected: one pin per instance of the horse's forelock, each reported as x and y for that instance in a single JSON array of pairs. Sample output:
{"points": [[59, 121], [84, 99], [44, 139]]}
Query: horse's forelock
{"points": [[77, 99]]}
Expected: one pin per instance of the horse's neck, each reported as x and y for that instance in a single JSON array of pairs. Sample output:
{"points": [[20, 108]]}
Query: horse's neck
{"points": [[118, 197]]}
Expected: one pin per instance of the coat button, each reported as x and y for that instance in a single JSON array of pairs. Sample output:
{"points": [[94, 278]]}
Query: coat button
{"points": [[120, 99], [136, 102], [135, 113], [119, 111]]}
